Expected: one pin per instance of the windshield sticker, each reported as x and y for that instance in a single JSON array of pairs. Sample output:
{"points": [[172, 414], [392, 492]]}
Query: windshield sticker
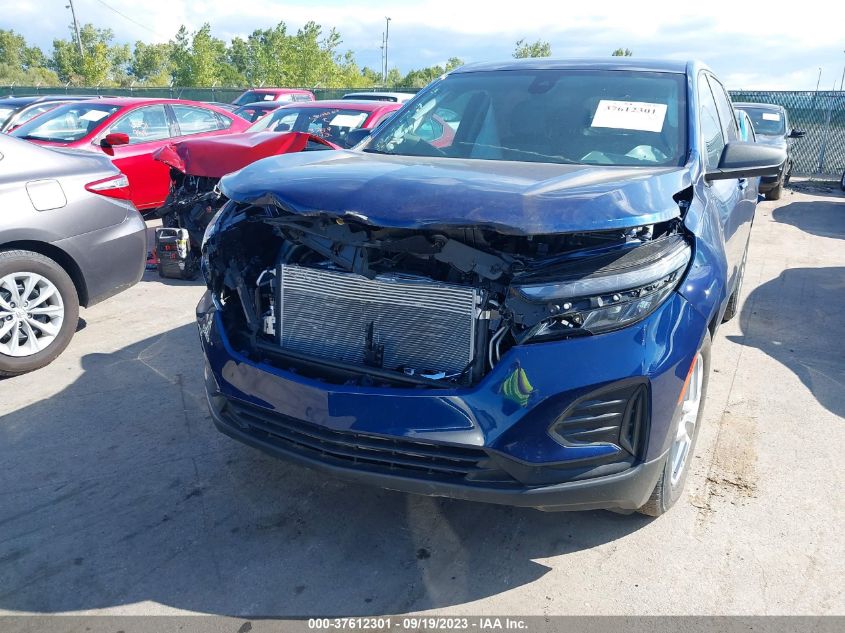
{"points": [[630, 115], [268, 97], [93, 115], [346, 120], [771, 116]]}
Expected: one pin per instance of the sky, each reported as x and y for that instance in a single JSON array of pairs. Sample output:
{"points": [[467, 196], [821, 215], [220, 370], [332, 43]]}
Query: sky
{"points": [[750, 44]]}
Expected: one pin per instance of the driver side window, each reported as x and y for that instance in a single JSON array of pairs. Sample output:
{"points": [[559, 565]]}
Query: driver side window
{"points": [[713, 142], [143, 125]]}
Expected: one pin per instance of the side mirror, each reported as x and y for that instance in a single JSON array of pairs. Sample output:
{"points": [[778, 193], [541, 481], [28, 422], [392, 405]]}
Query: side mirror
{"points": [[356, 136], [796, 134], [115, 138], [746, 160]]}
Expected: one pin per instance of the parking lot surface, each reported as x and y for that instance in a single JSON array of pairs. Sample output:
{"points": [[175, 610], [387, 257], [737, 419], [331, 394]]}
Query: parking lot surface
{"points": [[118, 496]]}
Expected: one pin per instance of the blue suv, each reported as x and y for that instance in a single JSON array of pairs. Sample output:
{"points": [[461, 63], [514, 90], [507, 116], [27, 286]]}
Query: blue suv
{"points": [[506, 293]]}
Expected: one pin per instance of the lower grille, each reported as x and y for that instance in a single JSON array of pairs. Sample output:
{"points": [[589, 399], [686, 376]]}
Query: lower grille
{"points": [[397, 323], [391, 455], [616, 415]]}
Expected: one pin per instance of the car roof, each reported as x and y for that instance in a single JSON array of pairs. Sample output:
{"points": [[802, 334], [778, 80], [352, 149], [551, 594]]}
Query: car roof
{"points": [[134, 101], [350, 104], [27, 99], [751, 104], [270, 105], [603, 63], [280, 90], [372, 93]]}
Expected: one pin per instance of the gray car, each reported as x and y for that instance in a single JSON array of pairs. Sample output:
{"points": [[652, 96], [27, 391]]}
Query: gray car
{"points": [[771, 127], [69, 236]]}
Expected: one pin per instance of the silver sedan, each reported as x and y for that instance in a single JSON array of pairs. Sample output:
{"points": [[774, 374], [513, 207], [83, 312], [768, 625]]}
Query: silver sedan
{"points": [[69, 236]]}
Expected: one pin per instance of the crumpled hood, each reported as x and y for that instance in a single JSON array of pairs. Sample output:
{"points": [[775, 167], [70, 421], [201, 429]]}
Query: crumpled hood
{"points": [[415, 192], [216, 156]]}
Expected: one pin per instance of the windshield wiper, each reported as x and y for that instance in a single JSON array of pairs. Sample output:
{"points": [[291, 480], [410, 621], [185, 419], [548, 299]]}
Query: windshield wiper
{"points": [[31, 137]]}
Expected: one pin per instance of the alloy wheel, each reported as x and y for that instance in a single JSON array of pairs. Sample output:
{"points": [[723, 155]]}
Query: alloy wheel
{"points": [[31, 313], [688, 421]]}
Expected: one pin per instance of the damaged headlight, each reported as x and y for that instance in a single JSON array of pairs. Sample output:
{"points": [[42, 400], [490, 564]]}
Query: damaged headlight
{"points": [[600, 303]]}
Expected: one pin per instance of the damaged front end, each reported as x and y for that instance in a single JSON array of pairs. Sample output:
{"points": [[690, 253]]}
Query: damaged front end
{"points": [[341, 300]]}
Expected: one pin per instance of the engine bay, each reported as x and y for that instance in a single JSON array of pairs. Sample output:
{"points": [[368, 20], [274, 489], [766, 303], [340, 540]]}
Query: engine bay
{"points": [[338, 299]]}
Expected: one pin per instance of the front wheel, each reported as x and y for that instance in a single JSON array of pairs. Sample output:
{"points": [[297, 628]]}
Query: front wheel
{"points": [[776, 193], [684, 435], [842, 181], [39, 311]]}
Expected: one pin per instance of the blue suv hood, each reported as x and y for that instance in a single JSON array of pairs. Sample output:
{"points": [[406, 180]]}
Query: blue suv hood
{"points": [[417, 192]]}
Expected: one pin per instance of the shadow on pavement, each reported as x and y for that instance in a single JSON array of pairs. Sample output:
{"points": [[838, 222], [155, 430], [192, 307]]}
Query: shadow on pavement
{"points": [[798, 320], [818, 217], [118, 490]]}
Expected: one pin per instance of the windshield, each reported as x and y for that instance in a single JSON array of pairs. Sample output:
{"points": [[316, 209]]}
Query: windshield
{"points": [[253, 96], [66, 123], [35, 111], [332, 124], [766, 121], [549, 116], [4, 113]]}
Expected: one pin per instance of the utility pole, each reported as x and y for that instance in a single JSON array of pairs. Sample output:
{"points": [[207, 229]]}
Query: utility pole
{"points": [[842, 81], [75, 26], [386, 37], [383, 68]]}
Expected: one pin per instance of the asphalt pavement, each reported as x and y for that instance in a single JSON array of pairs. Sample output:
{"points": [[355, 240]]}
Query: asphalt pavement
{"points": [[118, 496]]}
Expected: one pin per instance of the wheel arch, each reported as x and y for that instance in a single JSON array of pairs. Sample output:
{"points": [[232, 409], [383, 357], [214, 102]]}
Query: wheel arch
{"points": [[57, 255]]}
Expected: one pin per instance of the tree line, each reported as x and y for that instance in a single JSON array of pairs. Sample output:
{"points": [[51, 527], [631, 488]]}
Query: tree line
{"points": [[310, 57]]}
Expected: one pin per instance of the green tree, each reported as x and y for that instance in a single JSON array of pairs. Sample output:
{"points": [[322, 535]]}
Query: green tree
{"points": [[622, 52], [101, 62], [424, 76], [15, 52], [199, 59], [21, 64], [523, 49], [151, 64]]}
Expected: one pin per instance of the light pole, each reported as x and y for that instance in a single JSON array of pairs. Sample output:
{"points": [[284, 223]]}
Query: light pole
{"points": [[75, 26], [842, 81], [386, 36], [383, 73]]}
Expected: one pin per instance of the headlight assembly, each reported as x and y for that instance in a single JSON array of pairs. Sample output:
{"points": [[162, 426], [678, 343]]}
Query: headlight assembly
{"points": [[614, 296]]}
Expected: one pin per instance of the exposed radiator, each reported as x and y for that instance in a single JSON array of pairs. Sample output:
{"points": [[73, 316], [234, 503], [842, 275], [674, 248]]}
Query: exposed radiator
{"points": [[423, 326]]}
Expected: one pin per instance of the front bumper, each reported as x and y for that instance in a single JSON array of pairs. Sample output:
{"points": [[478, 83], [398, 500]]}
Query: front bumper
{"points": [[412, 439], [626, 490]]}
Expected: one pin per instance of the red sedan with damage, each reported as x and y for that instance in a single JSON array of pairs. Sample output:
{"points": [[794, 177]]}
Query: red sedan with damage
{"points": [[129, 130], [198, 164]]}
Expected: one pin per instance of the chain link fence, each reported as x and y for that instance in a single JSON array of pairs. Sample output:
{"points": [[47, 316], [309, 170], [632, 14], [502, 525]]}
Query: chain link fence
{"points": [[220, 95], [820, 114]]}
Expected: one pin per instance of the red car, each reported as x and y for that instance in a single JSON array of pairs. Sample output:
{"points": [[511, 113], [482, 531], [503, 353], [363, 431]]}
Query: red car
{"points": [[285, 95], [198, 164], [130, 130]]}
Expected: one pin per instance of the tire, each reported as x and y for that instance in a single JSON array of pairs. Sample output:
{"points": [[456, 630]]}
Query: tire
{"points": [[62, 304], [733, 302], [842, 182], [776, 193], [670, 485]]}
